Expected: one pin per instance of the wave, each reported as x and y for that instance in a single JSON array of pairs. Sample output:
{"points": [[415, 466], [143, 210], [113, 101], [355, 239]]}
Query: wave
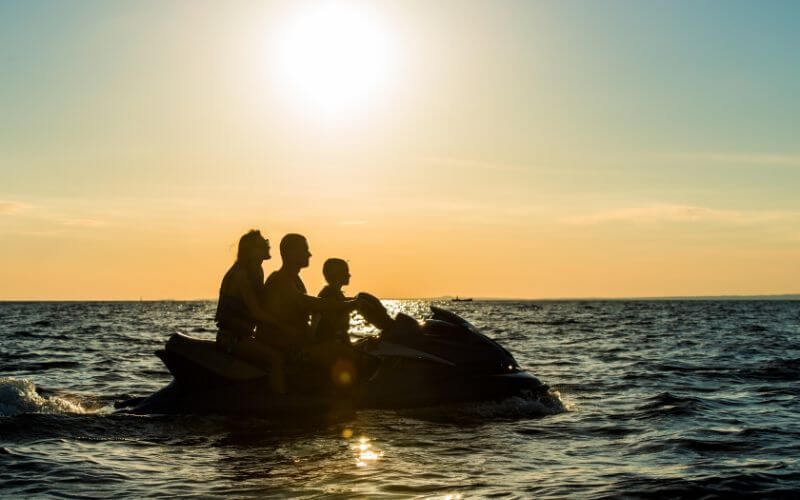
{"points": [[775, 370], [18, 396], [39, 366], [666, 404], [755, 328], [730, 484], [42, 334]]}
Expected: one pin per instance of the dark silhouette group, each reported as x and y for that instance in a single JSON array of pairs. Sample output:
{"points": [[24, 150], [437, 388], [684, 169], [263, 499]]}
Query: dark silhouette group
{"points": [[274, 322]]}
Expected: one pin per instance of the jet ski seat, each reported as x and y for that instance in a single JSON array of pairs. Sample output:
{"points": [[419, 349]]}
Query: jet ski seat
{"points": [[196, 361]]}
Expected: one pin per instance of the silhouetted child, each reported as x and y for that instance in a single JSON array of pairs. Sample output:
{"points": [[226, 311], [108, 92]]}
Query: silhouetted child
{"points": [[334, 326]]}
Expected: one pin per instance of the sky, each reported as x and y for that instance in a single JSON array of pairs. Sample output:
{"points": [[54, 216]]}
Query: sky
{"points": [[514, 149]]}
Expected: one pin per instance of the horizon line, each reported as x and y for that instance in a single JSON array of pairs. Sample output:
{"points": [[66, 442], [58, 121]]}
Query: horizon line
{"points": [[778, 296]]}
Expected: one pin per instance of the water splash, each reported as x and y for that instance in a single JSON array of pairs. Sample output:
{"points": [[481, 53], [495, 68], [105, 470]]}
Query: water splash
{"points": [[517, 407], [520, 407], [19, 396]]}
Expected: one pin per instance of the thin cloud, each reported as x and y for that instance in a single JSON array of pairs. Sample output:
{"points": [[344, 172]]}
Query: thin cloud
{"points": [[83, 222], [744, 159], [11, 207], [677, 213], [477, 165], [459, 207]]}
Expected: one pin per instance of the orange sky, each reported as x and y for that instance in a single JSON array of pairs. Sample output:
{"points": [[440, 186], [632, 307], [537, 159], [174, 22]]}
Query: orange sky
{"points": [[536, 151]]}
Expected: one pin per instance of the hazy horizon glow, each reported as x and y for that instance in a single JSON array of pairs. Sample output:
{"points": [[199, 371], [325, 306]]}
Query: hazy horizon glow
{"points": [[529, 149]]}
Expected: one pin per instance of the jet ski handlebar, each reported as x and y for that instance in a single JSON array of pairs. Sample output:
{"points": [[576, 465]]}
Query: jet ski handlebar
{"points": [[373, 311]]}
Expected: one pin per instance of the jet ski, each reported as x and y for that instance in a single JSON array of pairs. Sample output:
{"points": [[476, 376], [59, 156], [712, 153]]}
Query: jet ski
{"points": [[442, 360]]}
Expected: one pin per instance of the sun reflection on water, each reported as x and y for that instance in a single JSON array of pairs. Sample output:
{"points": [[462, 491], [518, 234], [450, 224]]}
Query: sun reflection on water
{"points": [[365, 454]]}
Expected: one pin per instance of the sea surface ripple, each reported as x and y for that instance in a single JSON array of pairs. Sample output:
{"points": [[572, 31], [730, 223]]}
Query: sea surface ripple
{"points": [[673, 399]]}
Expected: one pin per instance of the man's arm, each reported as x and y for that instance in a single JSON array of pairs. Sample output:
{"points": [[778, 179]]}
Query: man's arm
{"points": [[321, 305]]}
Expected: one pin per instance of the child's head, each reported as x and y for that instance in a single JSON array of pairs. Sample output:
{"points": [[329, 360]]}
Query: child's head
{"points": [[336, 272]]}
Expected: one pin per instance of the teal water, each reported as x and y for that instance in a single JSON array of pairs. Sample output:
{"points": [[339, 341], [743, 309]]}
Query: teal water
{"points": [[664, 398]]}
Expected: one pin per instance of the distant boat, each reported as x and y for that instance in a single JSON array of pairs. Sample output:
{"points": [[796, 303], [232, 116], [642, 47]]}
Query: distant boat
{"points": [[461, 300]]}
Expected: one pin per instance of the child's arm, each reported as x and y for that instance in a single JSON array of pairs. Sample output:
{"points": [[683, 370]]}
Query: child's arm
{"points": [[315, 319]]}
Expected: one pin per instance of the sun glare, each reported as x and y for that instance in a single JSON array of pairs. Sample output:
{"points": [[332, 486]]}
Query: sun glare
{"points": [[334, 57]]}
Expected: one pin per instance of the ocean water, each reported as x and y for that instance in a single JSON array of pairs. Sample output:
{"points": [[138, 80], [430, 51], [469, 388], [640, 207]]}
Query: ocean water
{"points": [[660, 398]]}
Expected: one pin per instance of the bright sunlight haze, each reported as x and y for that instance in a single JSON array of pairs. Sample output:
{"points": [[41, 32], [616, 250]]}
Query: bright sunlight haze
{"points": [[538, 150], [333, 57]]}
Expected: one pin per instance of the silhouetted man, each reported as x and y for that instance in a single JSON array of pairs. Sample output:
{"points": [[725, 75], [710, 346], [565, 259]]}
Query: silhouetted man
{"points": [[286, 300]]}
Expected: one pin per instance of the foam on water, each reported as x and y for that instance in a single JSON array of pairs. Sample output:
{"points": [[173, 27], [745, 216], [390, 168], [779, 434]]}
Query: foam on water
{"points": [[520, 407], [517, 407], [19, 396]]}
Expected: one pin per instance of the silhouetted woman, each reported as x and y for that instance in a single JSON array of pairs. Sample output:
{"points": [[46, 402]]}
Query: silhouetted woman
{"points": [[238, 309]]}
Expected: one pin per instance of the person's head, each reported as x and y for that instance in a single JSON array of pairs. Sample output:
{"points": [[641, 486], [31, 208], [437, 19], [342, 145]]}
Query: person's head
{"points": [[253, 246], [294, 250], [336, 272]]}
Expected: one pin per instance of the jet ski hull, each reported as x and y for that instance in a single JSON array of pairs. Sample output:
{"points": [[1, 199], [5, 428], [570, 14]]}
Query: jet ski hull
{"points": [[416, 391], [444, 361]]}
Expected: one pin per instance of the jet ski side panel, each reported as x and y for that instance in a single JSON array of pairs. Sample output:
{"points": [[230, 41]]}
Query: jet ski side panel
{"points": [[407, 382]]}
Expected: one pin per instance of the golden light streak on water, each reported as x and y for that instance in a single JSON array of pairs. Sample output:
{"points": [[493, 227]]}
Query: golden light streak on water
{"points": [[365, 454]]}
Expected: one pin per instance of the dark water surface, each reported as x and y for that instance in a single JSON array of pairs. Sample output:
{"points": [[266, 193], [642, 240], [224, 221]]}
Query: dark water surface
{"points": [[663, 398]]}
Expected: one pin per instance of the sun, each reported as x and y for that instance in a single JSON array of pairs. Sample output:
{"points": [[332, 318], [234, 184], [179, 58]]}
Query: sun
{"points": [[334, 58]]}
